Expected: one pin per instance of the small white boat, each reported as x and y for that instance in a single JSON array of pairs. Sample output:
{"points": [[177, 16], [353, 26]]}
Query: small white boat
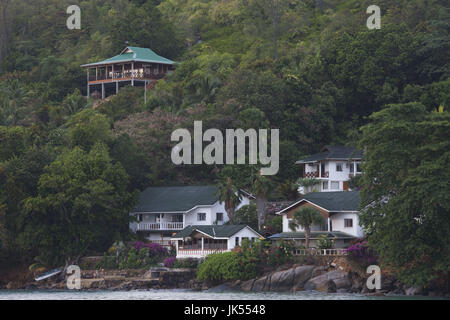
{"points": [[48, 274]]}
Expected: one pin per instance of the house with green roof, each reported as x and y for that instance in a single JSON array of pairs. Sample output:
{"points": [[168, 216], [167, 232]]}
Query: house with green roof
{"points": [[163, 211], [340, 210], [332, 167], [198, 241], [133, 66]]}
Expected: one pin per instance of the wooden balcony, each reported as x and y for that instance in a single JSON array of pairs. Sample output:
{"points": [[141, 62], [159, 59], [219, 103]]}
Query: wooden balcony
{"points": [[126, 75], [156, 226], [314, 174]]}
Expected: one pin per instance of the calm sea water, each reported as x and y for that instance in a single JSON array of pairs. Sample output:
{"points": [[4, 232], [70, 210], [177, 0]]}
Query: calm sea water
{"points": [[212, 294]]}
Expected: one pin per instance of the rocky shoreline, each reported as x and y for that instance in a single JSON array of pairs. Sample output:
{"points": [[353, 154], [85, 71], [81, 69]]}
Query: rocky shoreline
{"points": [[154, 278], [328, 279], [322, 279]]}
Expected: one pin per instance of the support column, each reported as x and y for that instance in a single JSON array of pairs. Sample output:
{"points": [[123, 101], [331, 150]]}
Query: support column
{"points": [[329, 224], [132, 74], [117, 87], [103, 91], [88, 91], [145, 91], [203, 244], [87, 82]]}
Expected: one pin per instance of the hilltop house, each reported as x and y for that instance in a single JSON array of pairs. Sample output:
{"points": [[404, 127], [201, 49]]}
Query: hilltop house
{"points": [[332, 167], [340, 210], [162, 211], [200, 240], [134, 65]]}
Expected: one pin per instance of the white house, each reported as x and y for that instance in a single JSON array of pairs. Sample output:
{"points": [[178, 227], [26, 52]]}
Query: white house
{"points": [[162, 211], [332, 167], [340, 210], [200, 240]]}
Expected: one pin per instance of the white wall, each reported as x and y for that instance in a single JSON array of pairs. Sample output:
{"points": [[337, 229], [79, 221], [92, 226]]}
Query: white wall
{"points": [[191, 218], [339, 225], [339, 176], [244, 233]]}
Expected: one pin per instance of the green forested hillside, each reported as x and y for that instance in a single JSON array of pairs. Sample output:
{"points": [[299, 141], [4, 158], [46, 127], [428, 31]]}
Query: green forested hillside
{"points": [[308, 67]]}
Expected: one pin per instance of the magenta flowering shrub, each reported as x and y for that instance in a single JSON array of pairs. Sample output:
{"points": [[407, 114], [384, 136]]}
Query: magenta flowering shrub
{"points": [[154, 249], [169, 262], [361, 253]]}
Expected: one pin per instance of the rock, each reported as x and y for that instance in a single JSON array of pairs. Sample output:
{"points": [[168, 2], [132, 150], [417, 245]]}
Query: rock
{"points": [[260, 284], [282, 280], [387, 283], [341, 280], [247, 285], [319, 271], [375, 294], [329, 287], [413, 291], [302, 274], [365, 290], [342, 291]]}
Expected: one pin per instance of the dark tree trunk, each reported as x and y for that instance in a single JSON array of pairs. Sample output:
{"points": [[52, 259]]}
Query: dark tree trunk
{"points": [[307, 235]]}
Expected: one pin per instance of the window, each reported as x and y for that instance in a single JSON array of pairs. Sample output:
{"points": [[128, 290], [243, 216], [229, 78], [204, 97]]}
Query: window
{"points": [[339, 167], [348, 223], [139, 217], [219, 216], [352, 168], [358, 167], [325, 185], [335, 185], [177, 218], [236, 241], [201, 216]]}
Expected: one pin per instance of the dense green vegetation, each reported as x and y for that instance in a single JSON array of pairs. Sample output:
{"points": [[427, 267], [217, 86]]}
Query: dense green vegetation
{"points": [[244, 262], [70, 172]]}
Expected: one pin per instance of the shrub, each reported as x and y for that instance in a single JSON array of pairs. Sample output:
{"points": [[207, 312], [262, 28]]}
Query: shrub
{"points": [[169, 262], [244, 262], [325, 243], [219, 267], [362, 254], [186, 263]]}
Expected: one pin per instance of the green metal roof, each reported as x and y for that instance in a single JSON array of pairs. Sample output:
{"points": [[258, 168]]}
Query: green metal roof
{"points": [[336, 201], [214, 231], [314, 235], [175, 199], [130, 54], [334, 153]]}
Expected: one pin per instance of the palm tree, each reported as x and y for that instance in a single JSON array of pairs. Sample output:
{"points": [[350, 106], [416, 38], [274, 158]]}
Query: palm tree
{"points": [[305, 218], [231, 195], [261, 188]]}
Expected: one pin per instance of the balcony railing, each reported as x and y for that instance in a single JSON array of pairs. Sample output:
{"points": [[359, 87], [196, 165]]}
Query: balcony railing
{"points": [[197, 252], [127, 74], [320, 252], [152, 226], [164, 243], [314, 174], [353, 174]]}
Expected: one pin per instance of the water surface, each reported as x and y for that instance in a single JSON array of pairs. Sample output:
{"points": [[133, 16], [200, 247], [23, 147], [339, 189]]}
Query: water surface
{"points": [[181, 294]]}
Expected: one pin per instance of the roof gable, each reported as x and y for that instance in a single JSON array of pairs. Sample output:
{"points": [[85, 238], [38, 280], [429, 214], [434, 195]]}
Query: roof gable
{"points": [[338, 201], [334, 153], [176, 199], [214, 231], [134, 54]]}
